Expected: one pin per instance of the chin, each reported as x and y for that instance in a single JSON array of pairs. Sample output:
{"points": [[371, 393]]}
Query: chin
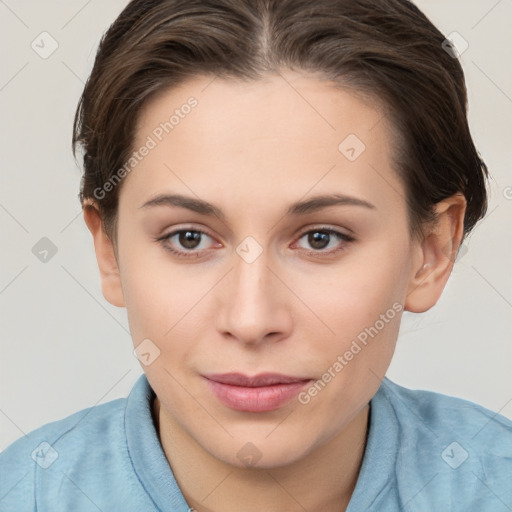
{"points": [[256, 452]]}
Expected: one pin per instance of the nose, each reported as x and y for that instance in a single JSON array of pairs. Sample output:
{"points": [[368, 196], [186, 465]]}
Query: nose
{"points": [[254, 307]]}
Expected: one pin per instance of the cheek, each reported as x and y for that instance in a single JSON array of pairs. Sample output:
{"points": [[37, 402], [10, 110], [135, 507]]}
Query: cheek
{"points": [[159, 296], [363, 307], [354, 295], [361, 304]]}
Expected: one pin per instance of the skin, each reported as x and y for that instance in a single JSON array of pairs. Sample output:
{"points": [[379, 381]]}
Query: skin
{"points": [[252, 149]]}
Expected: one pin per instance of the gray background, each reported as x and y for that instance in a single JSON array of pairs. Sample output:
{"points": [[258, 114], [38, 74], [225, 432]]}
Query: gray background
{"points": [[64, 348]]}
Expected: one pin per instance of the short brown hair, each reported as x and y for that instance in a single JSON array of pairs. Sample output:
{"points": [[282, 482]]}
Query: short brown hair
{"points": [[385, 48]]}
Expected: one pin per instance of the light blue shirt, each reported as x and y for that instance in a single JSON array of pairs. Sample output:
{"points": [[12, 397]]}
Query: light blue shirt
{"points": [[425, 452]]}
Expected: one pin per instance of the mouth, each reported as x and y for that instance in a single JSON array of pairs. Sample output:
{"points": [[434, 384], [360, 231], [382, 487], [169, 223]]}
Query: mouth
{"points": [[259, 393]]}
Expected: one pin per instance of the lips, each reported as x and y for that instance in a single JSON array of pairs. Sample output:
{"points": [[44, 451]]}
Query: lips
{"points": [[258, 393], [263, 379]]}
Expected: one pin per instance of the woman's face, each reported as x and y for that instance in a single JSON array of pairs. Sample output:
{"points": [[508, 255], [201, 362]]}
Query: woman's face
{"points": [[277, 280]]}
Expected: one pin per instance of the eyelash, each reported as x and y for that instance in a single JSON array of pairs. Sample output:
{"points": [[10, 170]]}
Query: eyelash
{"points": [[346, 239]]}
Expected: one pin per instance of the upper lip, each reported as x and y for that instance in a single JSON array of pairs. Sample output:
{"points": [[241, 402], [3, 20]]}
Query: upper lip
{"points": [[262, 379]]}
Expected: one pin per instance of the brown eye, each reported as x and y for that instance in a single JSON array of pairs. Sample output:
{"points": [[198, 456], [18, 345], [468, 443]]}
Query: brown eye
{"points": [[319, 239], [324, 241], [186, 243], [189, 239]]}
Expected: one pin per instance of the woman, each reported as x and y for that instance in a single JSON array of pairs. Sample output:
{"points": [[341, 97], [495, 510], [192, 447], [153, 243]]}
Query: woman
{"points": [[269, 185]]}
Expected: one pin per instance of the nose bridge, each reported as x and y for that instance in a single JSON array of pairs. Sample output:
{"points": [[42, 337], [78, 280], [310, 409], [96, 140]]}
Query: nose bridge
{"points": [[251, 287], [252, 307]]}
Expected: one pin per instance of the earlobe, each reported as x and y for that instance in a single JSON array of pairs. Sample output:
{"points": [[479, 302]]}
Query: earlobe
{"points": [[436, 255], [105, 256]]}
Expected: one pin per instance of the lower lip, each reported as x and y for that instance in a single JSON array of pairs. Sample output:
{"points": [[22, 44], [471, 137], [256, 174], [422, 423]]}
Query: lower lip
{"points": [[260, 399]]}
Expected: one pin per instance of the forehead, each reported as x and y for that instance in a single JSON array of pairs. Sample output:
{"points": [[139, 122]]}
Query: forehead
{"points": [[286, 106], [291, 130]]}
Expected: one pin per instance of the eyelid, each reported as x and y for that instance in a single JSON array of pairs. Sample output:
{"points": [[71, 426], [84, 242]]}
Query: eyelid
{"points": [[180, 229], [335, 230]]}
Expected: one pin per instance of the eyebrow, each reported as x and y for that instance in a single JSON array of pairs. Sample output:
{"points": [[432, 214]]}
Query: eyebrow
{"points": [[299, 208]]}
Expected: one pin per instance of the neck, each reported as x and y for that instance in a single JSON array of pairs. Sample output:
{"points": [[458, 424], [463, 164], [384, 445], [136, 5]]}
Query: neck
{"points": [[324, 480]]}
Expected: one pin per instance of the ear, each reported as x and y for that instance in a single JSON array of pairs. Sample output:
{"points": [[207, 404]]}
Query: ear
{"points": [[436, 255], [105, 255]]}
